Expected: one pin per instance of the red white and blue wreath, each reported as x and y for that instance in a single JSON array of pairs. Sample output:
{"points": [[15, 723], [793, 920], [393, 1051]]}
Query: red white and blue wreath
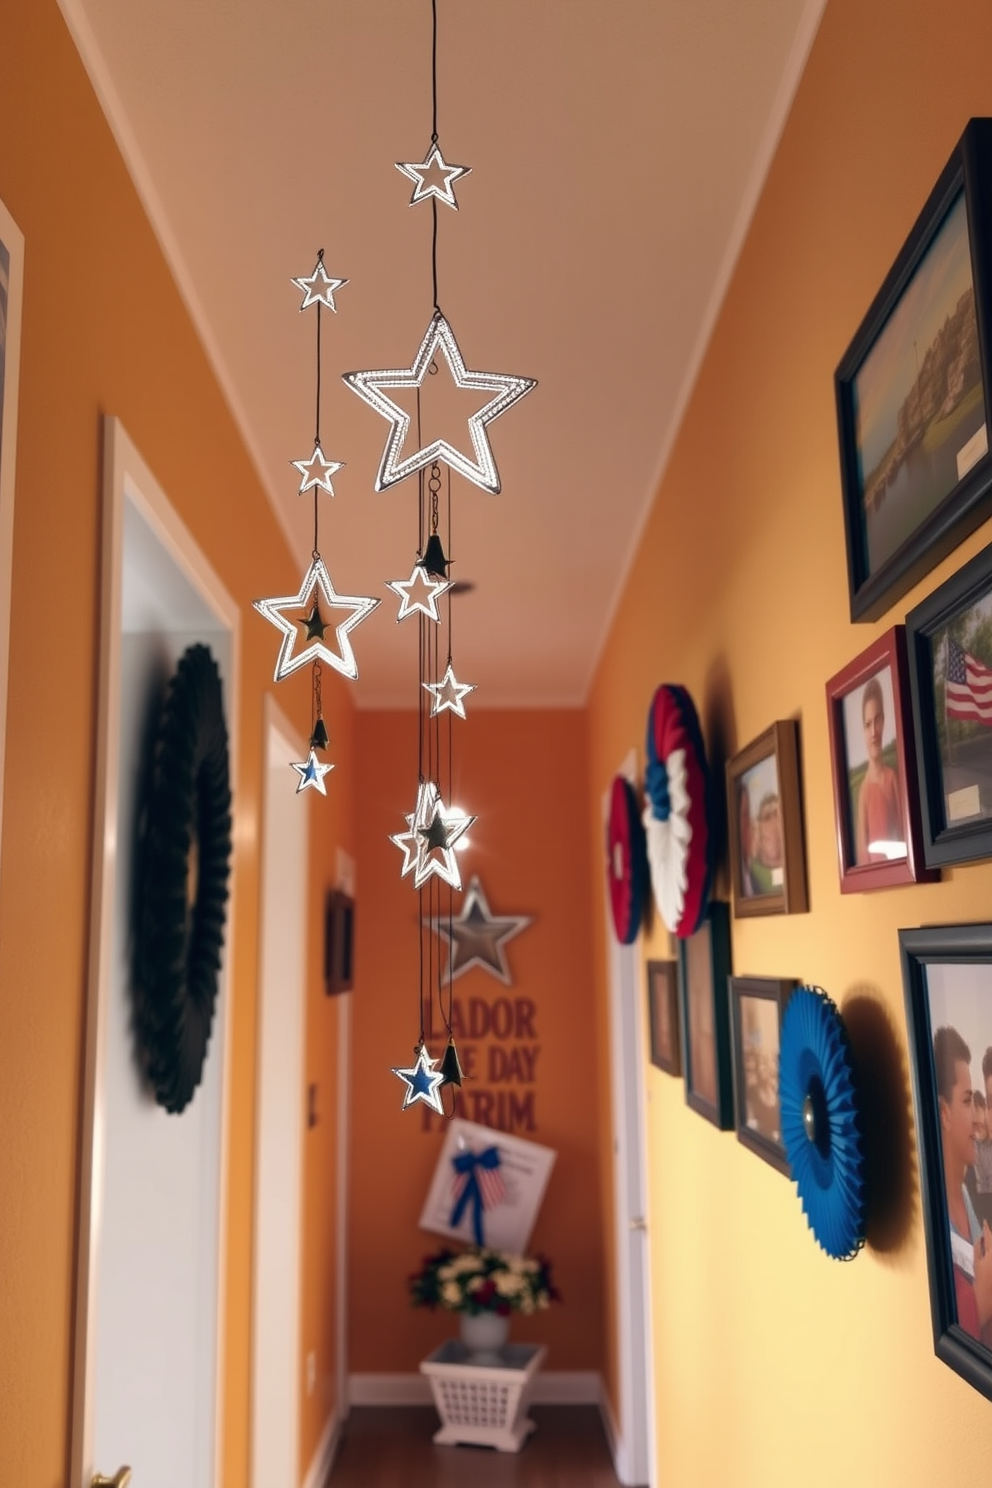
{"points": [[627, 861], [677, 811]]}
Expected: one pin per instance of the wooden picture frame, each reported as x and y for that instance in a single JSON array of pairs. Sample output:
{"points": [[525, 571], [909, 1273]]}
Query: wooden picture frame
{"points": [[913, 391], [764, 812], [756, 1008], [663, 1016], [947, 981], [873, 764], [339, 942], [949, 651], [11, 299], [704, 968]]}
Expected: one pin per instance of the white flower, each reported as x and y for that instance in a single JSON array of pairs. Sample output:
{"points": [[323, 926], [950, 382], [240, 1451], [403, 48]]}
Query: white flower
{"points": [[451, 1294], [508, 1284]]}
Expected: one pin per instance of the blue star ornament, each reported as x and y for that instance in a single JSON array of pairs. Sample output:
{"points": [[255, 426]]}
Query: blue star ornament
{"points": [[317, 471], [289, 659], [419, 593], [439, 340], [422, 1081], [433, 177], [320, 288], [311, 773]]}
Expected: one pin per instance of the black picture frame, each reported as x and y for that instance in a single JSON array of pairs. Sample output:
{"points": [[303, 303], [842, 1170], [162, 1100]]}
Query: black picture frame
{"points": [[953, 755], [754, 1112], [704, 969], [967, 502], [937, 960], [664, 1022], [339, 943]]}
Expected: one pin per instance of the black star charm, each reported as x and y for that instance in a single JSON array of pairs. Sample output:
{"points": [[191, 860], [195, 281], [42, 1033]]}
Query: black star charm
{"points": [[315, 625]]}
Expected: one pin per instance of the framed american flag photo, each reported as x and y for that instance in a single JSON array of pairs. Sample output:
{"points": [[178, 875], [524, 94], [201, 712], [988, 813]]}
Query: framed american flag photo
{"points": [[949, 641]]}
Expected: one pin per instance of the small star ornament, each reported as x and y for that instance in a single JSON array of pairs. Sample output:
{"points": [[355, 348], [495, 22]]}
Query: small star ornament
{"points": [[419, 593], [422, 1081], [439, 340], [316, 579], [477, 938], [320, 288], [317, 471], [311, 773], [448, 693], [428, 846], [433, 177]]}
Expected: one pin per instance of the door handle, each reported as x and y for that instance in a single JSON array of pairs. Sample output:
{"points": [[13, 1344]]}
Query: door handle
{"points": [[121, 1479]]}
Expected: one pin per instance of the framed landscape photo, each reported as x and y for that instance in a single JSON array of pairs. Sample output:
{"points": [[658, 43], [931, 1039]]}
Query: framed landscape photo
{"points": [[663, 1016], [947, 980], [11, 291], [913, 391], [704, 967], [764, 810], [949, 646], [756, 1008], [873, 761]]}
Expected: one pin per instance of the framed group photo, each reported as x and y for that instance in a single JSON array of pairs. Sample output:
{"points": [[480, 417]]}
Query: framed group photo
{"points": [[873, 763], [764, 811], [913, 391], [663, 1016], [947, 979], [949, 644], [704, 969], [756, 1008]]}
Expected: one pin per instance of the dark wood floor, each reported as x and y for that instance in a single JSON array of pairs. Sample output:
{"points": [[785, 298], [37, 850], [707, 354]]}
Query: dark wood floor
{"points": [[392, 1448]]}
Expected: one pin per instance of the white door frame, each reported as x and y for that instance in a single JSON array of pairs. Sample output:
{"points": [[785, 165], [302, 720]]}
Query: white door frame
{"points": [[634, 1433], [128, 479]]}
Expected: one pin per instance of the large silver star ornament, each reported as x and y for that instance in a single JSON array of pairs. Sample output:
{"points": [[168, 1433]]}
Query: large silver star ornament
{"points": [[317, 471], [448, 693], [419, 592], [433, 177], [289, 659], [422, 1081], [477, 938], [311, 773], [506, 389], [320, 288]]}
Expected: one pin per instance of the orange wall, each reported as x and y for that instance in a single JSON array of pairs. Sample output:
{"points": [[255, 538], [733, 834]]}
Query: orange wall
{"points": [[524, 775], [773, 1364], [104, 331]]}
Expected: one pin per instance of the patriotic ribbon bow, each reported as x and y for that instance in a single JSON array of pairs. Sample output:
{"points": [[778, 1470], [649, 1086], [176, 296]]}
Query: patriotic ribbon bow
{"points": [[478, 1182]]}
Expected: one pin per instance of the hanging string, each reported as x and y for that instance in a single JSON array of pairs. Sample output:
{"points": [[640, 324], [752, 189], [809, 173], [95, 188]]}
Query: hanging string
{"points": [[316, 436]]}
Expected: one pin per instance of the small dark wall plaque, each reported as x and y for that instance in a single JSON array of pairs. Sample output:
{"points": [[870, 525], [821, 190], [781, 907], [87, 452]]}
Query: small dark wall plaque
{"points": [[339, 938]]}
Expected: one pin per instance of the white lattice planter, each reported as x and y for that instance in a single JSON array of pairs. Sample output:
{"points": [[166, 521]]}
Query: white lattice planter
{"points": [[482, 1399]]}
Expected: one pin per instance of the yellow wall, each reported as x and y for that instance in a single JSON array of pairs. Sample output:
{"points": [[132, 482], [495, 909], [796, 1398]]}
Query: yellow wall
{"points": [[524, 775], [104, 331], [775, 1365]]}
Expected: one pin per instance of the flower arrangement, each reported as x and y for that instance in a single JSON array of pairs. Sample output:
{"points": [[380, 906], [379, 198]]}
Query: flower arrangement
{"points": [[482, 1280]]}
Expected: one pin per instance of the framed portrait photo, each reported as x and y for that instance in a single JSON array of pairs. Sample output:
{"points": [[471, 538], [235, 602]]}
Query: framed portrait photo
{"points": [[913, 391], [756, 1008], [704, 968], [873, 761], [663, 1016], [947, 980], [11, 292], [949, 646], [764, 810]]}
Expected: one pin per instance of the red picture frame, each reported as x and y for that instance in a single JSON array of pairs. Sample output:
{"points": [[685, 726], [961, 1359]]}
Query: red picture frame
{"points": [[870, 697]]}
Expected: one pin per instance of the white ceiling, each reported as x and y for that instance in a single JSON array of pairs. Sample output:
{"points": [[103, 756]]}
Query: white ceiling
{"points": [[617, 151]]}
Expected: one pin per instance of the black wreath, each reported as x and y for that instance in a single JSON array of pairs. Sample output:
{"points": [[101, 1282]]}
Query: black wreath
{"points": [[182, 894]]}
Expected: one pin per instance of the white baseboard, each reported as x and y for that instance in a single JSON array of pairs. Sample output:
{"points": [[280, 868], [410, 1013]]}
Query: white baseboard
{"points": [[323, 1459], [552, 1387]]}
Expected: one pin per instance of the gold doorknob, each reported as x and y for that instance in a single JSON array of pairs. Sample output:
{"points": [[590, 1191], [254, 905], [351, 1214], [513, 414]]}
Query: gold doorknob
{"points": [[121, 1479]]}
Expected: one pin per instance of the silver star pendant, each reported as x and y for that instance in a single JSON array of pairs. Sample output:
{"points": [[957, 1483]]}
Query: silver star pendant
{"points": [[289, 660], [422, 1081], [433, 177], [317, 471], [428, 846], [311, 773], [419, 593], [320, 288], [439, 339], [448, 693], [477, 937]]}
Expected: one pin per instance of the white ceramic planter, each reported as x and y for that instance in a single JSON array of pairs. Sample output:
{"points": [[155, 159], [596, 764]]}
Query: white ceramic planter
{"points": [[484, 1332]]}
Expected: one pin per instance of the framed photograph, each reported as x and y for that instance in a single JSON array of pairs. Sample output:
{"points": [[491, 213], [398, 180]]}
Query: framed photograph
{"points": [[756, 1008], [947, 978], [913, 391], [949, 646], [873, 761], [339, 943], [764, 810], [11, 291], [704, 967], [663, 1016]]}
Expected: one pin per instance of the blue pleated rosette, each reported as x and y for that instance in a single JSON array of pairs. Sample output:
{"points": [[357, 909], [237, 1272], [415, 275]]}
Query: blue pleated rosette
{"points": [[821, 1122]]}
